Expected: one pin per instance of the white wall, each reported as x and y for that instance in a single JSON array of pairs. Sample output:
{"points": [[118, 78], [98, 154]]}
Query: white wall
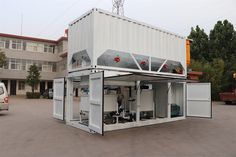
{"points": [[123, 34], [98, 31], [80, 37]]}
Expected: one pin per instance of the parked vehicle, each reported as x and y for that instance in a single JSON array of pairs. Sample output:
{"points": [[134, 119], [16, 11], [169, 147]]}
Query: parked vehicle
{"points": [[228, 97], [4, 105], [48, 93]]}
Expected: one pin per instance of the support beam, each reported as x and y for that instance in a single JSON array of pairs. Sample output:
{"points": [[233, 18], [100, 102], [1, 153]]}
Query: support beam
{"points": [[138, 102], [69, 101], [169, 100]]}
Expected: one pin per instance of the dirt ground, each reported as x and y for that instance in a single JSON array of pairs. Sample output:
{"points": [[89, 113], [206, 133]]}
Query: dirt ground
{"points": [[28, 130]]}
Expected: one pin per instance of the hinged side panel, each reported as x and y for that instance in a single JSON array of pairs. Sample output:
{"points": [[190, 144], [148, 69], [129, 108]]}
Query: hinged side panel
{"points": [[199, 100], [59, 98], [96, 98]]}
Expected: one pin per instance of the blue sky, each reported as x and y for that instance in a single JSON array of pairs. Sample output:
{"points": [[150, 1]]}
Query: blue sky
{"points": [[49, 18]]}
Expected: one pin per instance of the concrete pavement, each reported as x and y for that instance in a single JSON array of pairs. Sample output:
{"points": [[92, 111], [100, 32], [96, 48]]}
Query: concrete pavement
{"points": [[28, 130]]}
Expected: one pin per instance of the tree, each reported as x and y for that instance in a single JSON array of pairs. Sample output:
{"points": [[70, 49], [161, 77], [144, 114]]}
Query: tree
{"points": [[33, 76], [228, 82], [196, 65], [200, 44], [2, 58], [213, 53], [212, 72], [222, 43]]}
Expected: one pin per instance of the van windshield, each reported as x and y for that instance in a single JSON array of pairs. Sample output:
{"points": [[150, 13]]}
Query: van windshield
{"points": [[1, 91]]}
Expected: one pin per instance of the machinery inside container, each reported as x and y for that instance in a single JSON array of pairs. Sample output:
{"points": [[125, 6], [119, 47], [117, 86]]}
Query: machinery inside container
{"points": [[129, 102]]}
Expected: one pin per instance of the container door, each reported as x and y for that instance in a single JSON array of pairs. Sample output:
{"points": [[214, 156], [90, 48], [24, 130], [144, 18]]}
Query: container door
{"points": [[199, 100], [96, 96], [59, 98]]}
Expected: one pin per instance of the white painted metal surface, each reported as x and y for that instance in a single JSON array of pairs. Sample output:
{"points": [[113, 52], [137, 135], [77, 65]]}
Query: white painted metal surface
{"points": [[96, 102], [124, 34], [98, 31], [146, 99], [199, 100], [80, 36], [84, 103], [58, 98], [120, 126], [110, 103]]}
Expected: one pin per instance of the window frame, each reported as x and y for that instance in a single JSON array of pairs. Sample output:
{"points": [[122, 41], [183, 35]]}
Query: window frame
{"points": [[21, 85], [49, 48], [16, 62], [47, 68], [5, 43], [17, 44]]}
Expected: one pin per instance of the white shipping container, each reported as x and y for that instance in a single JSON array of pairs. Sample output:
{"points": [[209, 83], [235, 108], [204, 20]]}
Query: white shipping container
{"points": [[132, 74], [98, 31]]}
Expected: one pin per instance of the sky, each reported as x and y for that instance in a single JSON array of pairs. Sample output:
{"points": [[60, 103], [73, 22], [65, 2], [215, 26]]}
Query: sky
{"points": [[49, 18]]}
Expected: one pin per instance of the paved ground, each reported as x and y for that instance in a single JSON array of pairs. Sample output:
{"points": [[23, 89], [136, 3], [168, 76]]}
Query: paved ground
{"points": [[29, 130]]}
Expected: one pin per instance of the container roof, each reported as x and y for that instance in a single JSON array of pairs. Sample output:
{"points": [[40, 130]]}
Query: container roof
{"points": [[124, 18]]}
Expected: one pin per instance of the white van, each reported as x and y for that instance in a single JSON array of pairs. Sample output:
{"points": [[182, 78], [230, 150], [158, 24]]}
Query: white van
{"points": [[3, 97]]}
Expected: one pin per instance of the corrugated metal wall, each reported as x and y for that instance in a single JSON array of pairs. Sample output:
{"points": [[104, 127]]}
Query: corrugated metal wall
{"points": [[113, 32], [98, 31], [81, 36]]}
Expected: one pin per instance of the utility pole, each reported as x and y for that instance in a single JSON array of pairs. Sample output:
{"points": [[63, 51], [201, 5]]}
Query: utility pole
{"points": [[118, 7]]}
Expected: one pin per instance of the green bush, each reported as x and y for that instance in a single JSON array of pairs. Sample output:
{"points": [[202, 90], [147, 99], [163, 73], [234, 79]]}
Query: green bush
{"points": [[30, 95]]}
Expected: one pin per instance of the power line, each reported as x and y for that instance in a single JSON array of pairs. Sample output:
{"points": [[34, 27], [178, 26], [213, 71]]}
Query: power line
{"points": [[95, 4], [58, 17]]}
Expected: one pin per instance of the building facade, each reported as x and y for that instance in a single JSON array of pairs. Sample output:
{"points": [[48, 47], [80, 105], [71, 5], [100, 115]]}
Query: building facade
{"points": [[49, 55]]}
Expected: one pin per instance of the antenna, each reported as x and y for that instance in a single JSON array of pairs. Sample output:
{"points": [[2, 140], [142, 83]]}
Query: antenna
{"points": [[21, 24], [118, 7]]}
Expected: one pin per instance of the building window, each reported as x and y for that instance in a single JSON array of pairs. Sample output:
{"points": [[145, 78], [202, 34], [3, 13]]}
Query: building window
{"points": [[4, 43], [40, 66], [49, 48], [7, 44], [21, 85], [54, 67], [24, 45], [23, 65], [16, 44], [15, 64], [47, 68]]}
